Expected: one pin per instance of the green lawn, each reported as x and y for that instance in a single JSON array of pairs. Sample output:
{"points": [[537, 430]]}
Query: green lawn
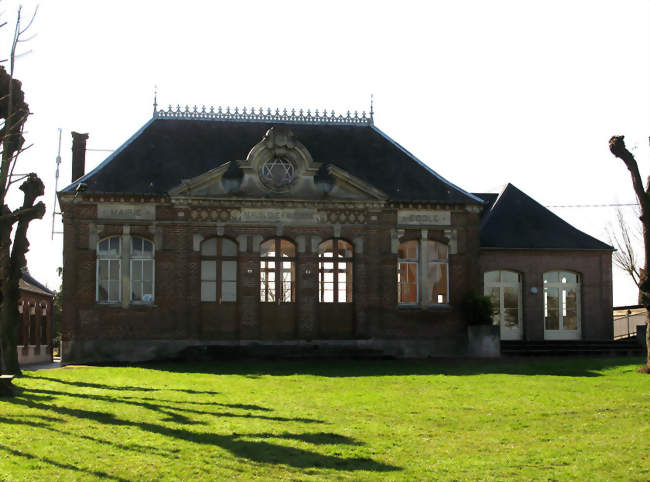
{"points": [[541, 419]]}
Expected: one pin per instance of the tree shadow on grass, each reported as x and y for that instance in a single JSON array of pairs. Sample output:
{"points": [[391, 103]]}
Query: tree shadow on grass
{"points": [[566, 366], [100, 386], [317, 438], [59, 465], [239, 445], [240, 406], [173, 413]]}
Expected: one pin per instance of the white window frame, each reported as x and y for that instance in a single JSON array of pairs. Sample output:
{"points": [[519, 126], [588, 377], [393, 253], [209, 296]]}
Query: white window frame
{"points": [[268, 290], [136, 257], [501, 285], [102, 256], [335, 258]]}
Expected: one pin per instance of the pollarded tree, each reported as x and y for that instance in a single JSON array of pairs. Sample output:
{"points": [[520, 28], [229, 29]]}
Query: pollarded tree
{"points": [[14, 112], [617, 146]]}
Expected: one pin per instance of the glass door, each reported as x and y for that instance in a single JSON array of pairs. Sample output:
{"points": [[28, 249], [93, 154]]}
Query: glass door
{"points": [[504, 289]]}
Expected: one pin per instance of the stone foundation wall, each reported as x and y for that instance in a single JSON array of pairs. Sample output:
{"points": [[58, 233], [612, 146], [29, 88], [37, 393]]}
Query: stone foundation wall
{"points": [[133, 351]]}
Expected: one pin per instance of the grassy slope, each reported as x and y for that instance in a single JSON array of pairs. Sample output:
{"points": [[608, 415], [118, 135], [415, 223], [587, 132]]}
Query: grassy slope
{"points": [[558, 419]]}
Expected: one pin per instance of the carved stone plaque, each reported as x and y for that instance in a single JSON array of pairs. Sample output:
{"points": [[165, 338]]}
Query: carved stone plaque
{"points": [[279, 216], [146, 212], [416, 217]]}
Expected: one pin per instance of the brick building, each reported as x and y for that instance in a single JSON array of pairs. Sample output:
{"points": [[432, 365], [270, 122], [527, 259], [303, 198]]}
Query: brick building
{"points": [[290, 230], [35, 331]]}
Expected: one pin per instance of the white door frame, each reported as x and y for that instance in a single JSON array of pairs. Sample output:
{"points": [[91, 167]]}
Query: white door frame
{"points": [[561, 334], [507, 333]]}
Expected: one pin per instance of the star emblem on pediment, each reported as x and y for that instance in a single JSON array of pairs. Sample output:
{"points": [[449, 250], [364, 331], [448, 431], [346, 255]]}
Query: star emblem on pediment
{"points": [[278, 172]]}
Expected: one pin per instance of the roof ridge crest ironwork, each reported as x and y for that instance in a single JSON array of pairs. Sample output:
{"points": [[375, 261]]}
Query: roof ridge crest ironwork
{"points": [[261, 115]]}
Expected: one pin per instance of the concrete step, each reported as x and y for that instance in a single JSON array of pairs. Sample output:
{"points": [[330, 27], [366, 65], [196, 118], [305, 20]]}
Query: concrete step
{"points": [[571, 347]]}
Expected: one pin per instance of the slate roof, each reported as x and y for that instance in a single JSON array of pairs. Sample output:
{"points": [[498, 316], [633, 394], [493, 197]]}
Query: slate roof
{"points": [[514, 220], [489, 198], [167, 151], [29, 283]]}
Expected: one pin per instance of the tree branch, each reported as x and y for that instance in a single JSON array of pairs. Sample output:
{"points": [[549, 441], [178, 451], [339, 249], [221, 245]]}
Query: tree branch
{"points": [[624, 256], [617, 147]]}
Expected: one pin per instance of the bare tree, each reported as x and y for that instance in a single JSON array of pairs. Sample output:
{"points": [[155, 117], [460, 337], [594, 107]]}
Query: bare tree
{"points": [[14, 112], [624, 237], [640, 275]]}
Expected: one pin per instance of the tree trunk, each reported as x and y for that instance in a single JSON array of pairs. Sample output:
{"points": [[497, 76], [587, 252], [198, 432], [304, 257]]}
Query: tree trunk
{"points": [[644, 279], [8, 330], [12, 266], [9, 327], [617, 147]]}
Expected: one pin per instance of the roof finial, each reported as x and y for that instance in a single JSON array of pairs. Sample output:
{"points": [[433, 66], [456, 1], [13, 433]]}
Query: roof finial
{"points": [[372, 108], [155, 100]]}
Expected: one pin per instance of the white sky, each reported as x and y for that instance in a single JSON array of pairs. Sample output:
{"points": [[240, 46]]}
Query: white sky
{"points": [[527, 92]]}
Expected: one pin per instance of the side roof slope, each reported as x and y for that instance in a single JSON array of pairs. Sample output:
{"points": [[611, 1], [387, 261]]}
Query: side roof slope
{"points": [[514, 220], [29, 283], [167, 151]]}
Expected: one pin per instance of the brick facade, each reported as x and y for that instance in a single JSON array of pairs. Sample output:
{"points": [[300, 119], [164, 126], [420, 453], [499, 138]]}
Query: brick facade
{"points": [[35, 330], [188, 177], [178, 317], [595, 269]]}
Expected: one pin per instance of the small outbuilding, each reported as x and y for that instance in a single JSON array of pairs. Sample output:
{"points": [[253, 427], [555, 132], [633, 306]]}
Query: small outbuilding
{"points": [[547, 280], [35, 330]]}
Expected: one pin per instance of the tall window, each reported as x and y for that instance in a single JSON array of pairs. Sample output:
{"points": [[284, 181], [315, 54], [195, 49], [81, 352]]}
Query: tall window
{"points": [[335, 271], [32, 324], [142, 270], [277, 271], [109, 270], [422, 273], [561, 301], [504, 290], [43, 309], [407, 273], [219, 270], [435, 281]]}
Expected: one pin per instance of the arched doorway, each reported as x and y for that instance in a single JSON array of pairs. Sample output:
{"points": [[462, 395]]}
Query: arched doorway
{"points": [[504, 289], [562, 305]]}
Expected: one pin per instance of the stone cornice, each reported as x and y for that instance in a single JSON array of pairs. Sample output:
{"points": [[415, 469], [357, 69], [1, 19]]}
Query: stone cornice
{"points": [[234, 203]]}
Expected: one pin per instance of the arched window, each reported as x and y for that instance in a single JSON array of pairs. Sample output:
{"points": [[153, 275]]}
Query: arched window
{"points": [[142, 270], [109, 270], [561, 304], [219, 270], [504, 290], [277, 271], [422, 273], [335, 271]]}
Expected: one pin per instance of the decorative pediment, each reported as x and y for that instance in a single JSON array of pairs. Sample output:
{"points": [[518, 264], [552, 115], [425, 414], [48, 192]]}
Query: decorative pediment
{"points": [[278, 166]]}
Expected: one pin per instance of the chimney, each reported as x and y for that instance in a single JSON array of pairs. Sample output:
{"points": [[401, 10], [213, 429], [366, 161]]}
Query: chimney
{"points": [[78, 155]]}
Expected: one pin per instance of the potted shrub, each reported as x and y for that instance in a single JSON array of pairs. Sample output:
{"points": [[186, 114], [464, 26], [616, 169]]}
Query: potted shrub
{"points": [[483, 338]]}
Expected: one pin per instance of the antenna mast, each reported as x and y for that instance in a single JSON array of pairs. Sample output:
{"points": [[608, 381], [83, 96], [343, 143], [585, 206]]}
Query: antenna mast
{"points": [[56, 184]]}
